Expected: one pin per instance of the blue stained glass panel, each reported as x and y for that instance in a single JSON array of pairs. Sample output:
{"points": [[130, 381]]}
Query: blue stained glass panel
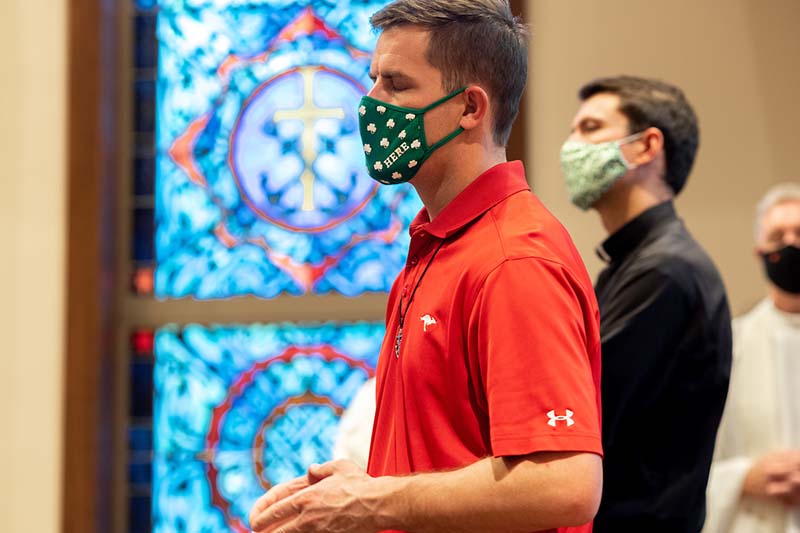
{"points": [[145, 5], [239, 409], [261, 185]]}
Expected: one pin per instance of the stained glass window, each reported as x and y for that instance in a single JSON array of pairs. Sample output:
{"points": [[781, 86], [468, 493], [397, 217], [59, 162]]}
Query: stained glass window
{"points": [[238, 409], [249, 179], [261, 183]]}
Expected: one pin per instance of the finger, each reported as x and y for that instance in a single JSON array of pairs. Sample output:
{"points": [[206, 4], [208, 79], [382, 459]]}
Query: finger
{"points": [[278, 493], [779, 470], [794, 480], [292, 526], [778, 489], [278, 514], [317, 473], [790, 500]]}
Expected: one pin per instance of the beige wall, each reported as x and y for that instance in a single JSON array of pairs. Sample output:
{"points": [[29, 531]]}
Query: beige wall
{"points": [[32, 215], [737, 62]]}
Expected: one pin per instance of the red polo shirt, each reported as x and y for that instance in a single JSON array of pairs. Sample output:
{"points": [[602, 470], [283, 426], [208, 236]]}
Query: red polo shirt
{"points": [[500, 353]]}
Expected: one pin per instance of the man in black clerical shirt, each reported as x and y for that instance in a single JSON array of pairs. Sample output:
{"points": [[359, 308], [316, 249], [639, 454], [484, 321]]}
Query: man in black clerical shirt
{"points": [[665, 322]]}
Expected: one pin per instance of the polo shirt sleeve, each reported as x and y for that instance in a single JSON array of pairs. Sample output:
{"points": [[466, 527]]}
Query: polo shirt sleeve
{"points": [[535, 331]]}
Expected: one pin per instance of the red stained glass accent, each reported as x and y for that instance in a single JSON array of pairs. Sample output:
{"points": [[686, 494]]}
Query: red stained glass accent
{"points": [[142, 342], [142, 280]]}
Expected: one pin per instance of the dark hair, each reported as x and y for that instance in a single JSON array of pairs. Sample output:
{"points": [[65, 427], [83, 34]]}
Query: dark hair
{"points": [[457, 29], [653, 103]]}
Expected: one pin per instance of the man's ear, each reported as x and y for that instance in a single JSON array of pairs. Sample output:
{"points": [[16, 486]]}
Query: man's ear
{"points": [[476, 108], [647, 147]]}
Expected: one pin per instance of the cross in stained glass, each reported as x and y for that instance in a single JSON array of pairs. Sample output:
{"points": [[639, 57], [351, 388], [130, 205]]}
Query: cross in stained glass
{"points": [[309, 114]]}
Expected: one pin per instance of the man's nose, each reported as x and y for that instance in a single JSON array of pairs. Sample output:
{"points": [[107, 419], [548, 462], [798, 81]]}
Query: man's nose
{"points": [[375, 92], [575, 136]]}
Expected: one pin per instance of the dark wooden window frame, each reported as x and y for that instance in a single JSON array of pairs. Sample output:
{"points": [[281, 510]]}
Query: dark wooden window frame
{"points": [[93, 111]]}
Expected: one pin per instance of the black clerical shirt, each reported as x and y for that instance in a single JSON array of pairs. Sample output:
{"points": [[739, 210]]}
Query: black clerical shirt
{"points": [[666, 339]]}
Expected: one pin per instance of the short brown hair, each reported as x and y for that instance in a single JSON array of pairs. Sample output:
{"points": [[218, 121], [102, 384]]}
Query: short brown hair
{"points": [[471, 41], [653, 103]]}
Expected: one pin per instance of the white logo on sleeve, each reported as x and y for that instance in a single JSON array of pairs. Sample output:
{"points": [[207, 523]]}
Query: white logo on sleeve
{"points": [[427, 320], [560, 418]]}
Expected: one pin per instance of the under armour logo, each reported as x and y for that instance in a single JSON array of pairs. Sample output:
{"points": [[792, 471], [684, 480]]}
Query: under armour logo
{"points": [[427, 320], [566, 418]]}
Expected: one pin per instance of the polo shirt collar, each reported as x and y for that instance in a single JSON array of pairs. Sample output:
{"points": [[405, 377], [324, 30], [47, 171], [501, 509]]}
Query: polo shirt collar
{"points": [[488, 190], [623, 241]]}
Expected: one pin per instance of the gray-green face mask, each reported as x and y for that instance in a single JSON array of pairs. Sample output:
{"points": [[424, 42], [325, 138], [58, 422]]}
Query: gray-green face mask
{"points": [[591, 169]]}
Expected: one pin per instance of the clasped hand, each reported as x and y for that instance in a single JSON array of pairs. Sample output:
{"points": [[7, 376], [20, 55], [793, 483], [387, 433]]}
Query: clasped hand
{"points": [[331, 498], [776, 476]]}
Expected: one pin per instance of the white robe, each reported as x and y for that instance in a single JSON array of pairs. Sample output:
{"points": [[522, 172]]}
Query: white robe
{"points": [[355, 426], [762, 414]]}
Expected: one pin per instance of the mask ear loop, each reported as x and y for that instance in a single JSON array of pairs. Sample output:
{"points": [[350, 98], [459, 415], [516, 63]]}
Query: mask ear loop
{"points": [[632, 137], [625, 140], [447, 138], [444, 98]]}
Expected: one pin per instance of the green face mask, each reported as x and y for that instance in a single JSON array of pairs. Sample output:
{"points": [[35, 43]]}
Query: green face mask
{"points": [[591, 169], [394, 138]]}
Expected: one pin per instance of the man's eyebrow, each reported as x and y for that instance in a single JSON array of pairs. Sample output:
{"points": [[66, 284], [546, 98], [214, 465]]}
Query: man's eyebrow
{"points": [[388, 73], [576, 124], [584, 121]]}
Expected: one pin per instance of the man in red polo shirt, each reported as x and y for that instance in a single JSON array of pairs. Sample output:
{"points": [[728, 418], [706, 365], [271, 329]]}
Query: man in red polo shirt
{"points": [[488, 378]]}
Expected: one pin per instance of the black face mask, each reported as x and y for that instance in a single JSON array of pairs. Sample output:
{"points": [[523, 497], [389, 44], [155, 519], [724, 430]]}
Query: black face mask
{"points": [[783, 268]]}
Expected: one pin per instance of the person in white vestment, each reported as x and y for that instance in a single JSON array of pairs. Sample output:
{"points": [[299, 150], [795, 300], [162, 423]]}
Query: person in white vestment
{"points": [[355, 426], [755, 478]]}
